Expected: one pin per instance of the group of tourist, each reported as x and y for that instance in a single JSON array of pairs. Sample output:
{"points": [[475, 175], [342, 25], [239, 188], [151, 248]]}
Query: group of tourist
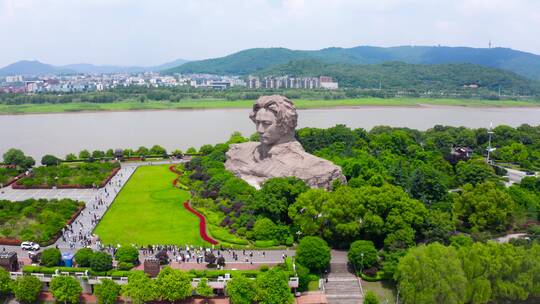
{"points": [[79, 232]]}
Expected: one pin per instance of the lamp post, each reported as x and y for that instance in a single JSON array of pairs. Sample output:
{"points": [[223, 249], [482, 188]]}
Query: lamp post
{"points": [[361, 263]]}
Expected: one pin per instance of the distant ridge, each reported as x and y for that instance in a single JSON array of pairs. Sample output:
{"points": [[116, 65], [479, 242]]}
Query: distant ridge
{"points": [[36, 68], [254, 60]]}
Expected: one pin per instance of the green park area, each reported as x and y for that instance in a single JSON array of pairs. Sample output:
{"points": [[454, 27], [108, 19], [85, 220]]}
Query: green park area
{"points": [[79, 174], [148, 210], [131, 104], [35, 220]]}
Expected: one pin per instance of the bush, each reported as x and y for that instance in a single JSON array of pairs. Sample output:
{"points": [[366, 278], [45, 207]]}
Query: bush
{"points": [[127, 254], [101, 261], [51, 257], [362, 254], [124, 266], [5, 283], [83, 257], [265, 244], [314, 253], [371, 298]]}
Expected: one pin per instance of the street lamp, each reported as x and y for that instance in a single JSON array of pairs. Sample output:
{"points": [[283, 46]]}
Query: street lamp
{"points": [[361, 263]]}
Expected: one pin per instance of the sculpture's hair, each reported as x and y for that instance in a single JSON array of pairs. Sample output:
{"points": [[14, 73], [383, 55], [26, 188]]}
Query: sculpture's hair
{"points": [[282, 107]]}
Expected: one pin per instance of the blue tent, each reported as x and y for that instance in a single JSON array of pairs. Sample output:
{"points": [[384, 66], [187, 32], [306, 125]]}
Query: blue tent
{"points": [[67, 258]]}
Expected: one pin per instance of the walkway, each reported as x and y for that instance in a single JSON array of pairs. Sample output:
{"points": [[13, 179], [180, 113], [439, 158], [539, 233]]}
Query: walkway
{"points": [[342, 287], [84, 224]]}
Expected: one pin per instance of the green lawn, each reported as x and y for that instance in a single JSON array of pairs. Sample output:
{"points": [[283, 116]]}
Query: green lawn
{"points": [[149, 210], [129, 104]]}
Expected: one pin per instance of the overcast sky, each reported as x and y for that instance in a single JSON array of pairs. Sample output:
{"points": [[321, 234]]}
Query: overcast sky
{"points": [[136, 32]]}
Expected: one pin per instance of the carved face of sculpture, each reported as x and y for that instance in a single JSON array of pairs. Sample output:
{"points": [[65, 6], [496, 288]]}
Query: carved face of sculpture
{"points": [[275, 119], [267, 127]]}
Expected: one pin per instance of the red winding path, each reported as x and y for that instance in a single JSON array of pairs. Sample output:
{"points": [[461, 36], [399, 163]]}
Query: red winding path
{"points": [[202, 220]]}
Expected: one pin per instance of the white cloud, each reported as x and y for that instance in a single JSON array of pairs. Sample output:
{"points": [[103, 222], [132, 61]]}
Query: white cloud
{"points": [[151, 32]]}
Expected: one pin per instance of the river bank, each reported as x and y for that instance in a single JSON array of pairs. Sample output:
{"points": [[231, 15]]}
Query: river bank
{"points": [[132, 105]]}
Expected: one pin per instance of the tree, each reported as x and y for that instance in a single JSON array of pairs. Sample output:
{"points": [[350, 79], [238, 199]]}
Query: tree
{"points": [[5, 282], [438, 226], [428, 185], [314, 253], [275, 197], [71, 157], [84, 154], [362, 254], [474, 172], [484, 207], [431, 274], [371, 298], [17, 158], [83, 257], [158, 150], [26, 288], [272, 287], [51, 257], [173, 284], [101, 261], [65, 289], [265, 229], [127, 254], [107, 292], [241, 290], [50, 160], [203, 289], [140, 288]]}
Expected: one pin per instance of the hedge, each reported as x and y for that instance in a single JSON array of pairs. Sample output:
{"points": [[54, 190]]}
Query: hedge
{"points": [[52, 270]]}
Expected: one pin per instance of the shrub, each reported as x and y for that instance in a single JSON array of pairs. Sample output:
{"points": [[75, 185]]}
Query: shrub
{"points": [[124, 266], [314, 253], [83, 257], [371, 298], [51, 257], [101, 261], [362, 254], [128, 254], [5, 283]]}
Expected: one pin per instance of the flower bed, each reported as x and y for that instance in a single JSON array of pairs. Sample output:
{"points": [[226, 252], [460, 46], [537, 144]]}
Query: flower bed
{"points": [[202, 219], [202, 224], [23, 183]]}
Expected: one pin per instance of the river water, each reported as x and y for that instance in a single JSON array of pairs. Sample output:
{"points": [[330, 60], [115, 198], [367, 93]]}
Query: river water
{"points": [[59, 134]]}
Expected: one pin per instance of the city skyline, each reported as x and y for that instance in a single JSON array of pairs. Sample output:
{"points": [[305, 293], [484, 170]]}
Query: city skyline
{"points": [[143, 33]]}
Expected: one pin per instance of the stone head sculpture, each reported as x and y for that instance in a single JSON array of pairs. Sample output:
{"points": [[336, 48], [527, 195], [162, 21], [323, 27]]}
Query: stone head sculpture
{"points": [[275, 118]]}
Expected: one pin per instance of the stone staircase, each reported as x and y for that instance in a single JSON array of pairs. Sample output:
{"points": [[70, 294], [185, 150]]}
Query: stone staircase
{"points": [[342, 287]]}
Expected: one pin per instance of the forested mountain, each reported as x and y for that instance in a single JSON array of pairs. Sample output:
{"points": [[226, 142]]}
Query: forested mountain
{"points": [[27, 67], [398, 75], [36, 68], [254, 60]]}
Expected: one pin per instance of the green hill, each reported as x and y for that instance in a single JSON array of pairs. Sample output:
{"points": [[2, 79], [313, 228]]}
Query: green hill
{"points": [[254, 60], [398, 75]]}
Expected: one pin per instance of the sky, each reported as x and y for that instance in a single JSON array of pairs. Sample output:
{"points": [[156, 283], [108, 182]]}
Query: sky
{"points": [[137, 32]]}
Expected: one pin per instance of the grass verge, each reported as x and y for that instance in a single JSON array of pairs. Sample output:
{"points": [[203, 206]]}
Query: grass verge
{"points": [[128, 105]]}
